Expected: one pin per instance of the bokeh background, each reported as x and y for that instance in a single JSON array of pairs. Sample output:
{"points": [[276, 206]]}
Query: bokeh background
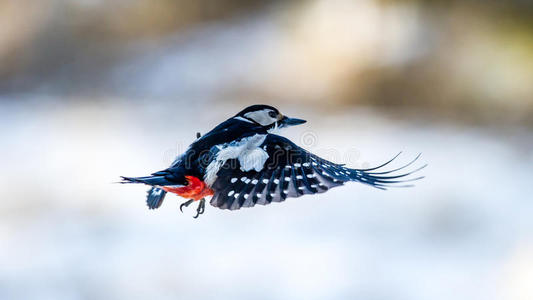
{"points": [[93, 89]]}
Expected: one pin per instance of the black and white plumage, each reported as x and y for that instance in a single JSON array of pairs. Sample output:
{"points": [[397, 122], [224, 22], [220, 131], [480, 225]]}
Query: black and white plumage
{"points": [[241, 163], [291, 172]]}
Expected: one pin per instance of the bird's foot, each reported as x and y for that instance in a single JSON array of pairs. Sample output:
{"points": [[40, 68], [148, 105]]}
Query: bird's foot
{"points": [[201, 208], [186, 204]]}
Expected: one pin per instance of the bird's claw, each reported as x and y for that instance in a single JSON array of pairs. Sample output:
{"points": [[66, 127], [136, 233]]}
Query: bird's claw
{"points": [[186, 204], [201, 208]]}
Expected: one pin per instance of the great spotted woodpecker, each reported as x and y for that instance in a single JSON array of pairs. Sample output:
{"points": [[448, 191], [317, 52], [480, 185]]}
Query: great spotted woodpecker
{"points": [[241, 163]]}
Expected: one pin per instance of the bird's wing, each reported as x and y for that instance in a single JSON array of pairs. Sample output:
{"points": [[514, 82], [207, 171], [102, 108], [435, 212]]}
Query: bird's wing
{"points": [[290, 171]]}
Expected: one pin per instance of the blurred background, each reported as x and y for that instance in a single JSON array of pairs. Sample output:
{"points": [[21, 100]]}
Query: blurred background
{"points": [[92, 89]]}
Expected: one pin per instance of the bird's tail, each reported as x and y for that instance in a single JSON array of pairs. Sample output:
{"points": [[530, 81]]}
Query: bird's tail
{"points": [[155, 195], [150, 180]]}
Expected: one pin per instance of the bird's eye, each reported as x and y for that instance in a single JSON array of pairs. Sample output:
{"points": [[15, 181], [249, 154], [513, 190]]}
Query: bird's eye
{"points": [[272, 114]]}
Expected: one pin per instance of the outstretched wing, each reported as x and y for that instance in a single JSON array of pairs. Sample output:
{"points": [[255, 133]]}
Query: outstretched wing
{"points": [[290, 172]]}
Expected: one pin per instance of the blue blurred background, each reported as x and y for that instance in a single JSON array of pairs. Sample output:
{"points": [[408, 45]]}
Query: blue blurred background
{"points": [[93, 89]]}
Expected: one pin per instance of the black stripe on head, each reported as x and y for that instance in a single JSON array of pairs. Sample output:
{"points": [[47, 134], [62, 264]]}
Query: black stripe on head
{"points": [[256, 107]]}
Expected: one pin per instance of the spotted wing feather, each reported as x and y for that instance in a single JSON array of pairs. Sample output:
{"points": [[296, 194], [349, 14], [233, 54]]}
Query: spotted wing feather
{"points": [[290, 172]]}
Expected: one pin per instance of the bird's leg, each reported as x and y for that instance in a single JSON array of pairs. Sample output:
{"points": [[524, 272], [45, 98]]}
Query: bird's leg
{"points": [[186, 204], [201, 208]]}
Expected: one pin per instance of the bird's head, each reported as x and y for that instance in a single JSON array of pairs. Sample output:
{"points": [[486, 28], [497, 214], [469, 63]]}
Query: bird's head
{"points": [[267, 116]]}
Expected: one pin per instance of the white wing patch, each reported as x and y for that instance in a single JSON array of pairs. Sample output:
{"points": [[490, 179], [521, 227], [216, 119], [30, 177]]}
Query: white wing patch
{"points": [[253, 160], [247, 151]]}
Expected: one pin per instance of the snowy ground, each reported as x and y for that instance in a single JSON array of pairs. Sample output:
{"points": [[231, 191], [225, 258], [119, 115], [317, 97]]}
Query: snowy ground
{"points": [[67, 232]]}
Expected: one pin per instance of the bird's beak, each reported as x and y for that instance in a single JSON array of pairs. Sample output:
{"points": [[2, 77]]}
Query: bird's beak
{"points": [[286, 122]]}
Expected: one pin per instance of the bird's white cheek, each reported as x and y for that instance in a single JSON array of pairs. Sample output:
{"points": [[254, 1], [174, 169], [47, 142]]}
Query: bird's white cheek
{"points": [[262, 117]]}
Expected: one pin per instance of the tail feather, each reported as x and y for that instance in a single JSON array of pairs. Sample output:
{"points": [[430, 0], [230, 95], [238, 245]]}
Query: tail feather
{"points": [[150, 180], [129, 180]]}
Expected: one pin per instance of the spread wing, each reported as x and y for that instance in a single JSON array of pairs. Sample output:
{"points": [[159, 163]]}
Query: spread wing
{"points": [[290, 172]]}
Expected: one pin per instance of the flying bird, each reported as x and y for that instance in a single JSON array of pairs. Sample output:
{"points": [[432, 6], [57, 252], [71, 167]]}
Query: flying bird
{"points": [[241, 163]]}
